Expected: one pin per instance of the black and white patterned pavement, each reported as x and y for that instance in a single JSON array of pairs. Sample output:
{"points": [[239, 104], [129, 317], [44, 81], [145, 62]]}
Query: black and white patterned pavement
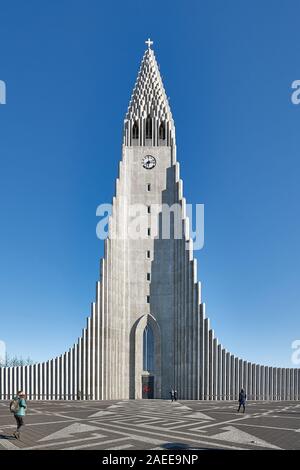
{"points": [[153, 424]]}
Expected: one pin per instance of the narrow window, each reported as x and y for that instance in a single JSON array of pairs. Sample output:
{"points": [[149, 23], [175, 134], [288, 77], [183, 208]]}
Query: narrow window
{"points": [[148, 277], [148, 349], [148, 254], [149, 209], [162, 131], [148, 299], [149, 231], [135, 131], [149, 127], [148, 187]]}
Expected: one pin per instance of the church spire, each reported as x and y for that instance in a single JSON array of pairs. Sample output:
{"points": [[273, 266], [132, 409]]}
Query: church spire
{"points": [[149, 120]]}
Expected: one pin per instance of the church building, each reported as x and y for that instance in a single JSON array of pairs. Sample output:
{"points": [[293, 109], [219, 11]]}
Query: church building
{"points": [[148, 331]]}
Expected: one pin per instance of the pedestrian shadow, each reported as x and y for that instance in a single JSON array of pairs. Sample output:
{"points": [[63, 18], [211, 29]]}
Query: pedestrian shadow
{"points": [[182, 446], [7, 437], [175, 445]]}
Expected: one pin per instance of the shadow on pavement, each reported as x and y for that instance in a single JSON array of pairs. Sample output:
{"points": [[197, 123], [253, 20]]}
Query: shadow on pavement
{"points": [[7, 437], [181, 446]]}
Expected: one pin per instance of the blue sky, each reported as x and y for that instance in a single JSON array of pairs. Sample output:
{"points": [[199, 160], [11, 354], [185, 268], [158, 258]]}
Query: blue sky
{"points": [[69, 68]]}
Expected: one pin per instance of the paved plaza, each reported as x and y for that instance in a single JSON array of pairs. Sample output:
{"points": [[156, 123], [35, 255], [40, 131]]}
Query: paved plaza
{"points": [[153, 424]]}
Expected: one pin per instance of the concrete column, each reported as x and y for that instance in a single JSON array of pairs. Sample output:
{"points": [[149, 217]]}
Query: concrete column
{"points": [[5, 383], [66, 375], [262, 382], [61, 377], [241, 376], [292, 394], [275, 393], [48, 380], [102, 333], [278, 383], [18, 377], [52, 379], [232, 378], [215, 368], [93, 356], [27, 379], [10, 382], [274, 383], [270, 383], [98, 342], [253, 381], [83, 365], [45, 380], [71, 375], [13, 384], [88, 361], [206, 359], [279, 380], [79, 368], [284, 384], [201, 351], [267, 383], [57, 381], [16, 380], [245, 376], [196, 297], [39, 381], [288, 384], [249, 391], [237, 380], [210, 364], [1, 383], [228, 375], [220, 375], [224, 374], [75, 378], [22, 377]]}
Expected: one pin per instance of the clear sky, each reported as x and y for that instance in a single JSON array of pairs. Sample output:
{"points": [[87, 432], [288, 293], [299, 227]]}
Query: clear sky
{"points": [[69, 68]]}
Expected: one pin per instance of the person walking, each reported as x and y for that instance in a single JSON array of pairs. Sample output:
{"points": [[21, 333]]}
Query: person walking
{"points": [[175, 395], [172, 395], [242, 400], [18, 408]]}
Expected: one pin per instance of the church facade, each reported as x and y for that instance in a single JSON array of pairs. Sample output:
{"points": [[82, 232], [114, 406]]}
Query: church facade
{"points": [[148, 331]]}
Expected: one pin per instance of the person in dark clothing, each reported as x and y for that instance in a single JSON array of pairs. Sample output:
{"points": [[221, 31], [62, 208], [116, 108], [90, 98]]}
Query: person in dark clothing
{"points": [[242, 400], [172, 395], [175, 395]]}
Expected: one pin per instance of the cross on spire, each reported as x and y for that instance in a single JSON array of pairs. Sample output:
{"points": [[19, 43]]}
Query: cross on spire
{"points": [[149, 43]]}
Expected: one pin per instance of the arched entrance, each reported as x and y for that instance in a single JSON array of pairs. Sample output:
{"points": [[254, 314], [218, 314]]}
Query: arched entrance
{"points": [[145, 360]]}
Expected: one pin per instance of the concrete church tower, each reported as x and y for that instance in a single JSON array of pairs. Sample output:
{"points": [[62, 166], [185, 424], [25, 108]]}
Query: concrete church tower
{"points": [[151, 290], [148, 332]]}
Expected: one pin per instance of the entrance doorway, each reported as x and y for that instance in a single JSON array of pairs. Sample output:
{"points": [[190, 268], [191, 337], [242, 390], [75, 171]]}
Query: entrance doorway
{"points": [[148, 386]]}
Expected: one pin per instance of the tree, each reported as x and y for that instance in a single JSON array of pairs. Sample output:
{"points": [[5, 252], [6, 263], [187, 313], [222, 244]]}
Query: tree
{"points": [[13, 361]]}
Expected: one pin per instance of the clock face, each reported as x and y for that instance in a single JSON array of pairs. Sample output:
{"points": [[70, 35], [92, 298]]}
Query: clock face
{"points": [[148, 162]]}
